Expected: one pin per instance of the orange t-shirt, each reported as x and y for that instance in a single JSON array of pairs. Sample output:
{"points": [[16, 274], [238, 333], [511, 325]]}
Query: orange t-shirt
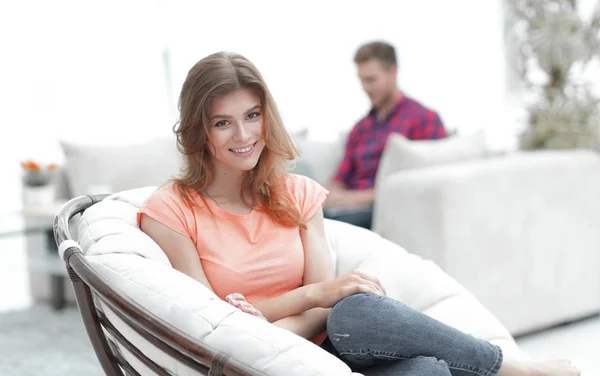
{"points": [[251, 254]]}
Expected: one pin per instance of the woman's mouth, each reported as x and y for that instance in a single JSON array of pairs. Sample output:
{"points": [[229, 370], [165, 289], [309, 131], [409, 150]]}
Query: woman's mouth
{"points": [[242, 152]]}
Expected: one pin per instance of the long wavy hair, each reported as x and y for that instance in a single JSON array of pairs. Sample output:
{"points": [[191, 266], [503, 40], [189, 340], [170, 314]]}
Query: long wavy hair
{"points": [[213, 77]]}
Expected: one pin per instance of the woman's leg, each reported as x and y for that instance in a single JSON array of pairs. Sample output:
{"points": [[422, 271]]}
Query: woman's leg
{"points": [[369, 330], [421, 366]]}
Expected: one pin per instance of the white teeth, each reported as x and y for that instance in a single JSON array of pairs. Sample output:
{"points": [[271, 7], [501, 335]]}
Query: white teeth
{"points": [[244, 150]]}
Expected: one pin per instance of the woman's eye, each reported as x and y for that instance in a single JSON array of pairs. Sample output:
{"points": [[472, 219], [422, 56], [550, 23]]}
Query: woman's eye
{"points": [[221, 123], [253, 115]]}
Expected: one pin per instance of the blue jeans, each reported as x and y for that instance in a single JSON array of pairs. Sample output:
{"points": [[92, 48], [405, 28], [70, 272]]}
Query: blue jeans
{"points": [[379, 336]]}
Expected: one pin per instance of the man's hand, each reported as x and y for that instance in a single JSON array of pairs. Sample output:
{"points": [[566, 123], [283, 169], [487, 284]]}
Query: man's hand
{"points": [[348, 199], [341, 198]]}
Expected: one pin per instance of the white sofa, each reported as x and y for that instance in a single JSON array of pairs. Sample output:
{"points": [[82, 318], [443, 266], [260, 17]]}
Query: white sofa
{"points": [[134, 265], [519, 231]]}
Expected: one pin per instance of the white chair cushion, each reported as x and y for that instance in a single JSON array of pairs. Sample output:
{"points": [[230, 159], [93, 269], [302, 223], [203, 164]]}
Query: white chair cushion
{"points": [[130, 261]]}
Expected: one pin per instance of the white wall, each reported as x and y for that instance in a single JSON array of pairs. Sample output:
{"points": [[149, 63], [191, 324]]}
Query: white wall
{"points": [[450, 54], [94, 70]]}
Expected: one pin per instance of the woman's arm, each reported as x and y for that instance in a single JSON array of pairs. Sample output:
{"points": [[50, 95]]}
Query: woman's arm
{"points": [[302, 311], [318, 267], [321, 289], [179, 248], [308, 324], [324, 290], [184, 257]]}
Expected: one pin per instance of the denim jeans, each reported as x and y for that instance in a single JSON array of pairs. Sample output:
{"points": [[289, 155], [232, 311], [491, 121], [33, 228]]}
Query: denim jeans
{"points": [[379, 336]]}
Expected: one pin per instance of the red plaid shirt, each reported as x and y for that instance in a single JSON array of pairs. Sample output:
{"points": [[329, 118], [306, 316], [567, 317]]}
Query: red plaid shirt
{"points": [[367, 140]]}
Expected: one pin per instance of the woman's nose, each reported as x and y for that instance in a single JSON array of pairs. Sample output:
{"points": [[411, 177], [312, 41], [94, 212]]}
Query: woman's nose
{"points": [[241, 133]]}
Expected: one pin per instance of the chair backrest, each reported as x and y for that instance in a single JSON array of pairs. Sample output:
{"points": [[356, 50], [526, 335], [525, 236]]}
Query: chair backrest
{"points": [[94, 296]]}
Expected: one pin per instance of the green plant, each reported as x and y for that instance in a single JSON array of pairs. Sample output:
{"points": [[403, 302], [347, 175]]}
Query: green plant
{"points": [[555, 47]]}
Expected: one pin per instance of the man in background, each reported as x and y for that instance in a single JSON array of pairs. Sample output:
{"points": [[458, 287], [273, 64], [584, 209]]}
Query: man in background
{"points": [[352, 189]]}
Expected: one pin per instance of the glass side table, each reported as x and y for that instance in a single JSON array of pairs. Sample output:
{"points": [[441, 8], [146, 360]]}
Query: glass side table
{"points": [[39, 221]]}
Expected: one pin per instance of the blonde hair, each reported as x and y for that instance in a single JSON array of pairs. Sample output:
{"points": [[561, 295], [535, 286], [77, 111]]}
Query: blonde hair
{"points": [[213, 77]]}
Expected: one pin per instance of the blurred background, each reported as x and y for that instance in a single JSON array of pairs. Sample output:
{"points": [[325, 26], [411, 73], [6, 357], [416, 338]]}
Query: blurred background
{"points": [[525, 73], [111, 71]]}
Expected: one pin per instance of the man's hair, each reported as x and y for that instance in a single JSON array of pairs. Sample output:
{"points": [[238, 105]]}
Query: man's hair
{"points": [[382, 51]]}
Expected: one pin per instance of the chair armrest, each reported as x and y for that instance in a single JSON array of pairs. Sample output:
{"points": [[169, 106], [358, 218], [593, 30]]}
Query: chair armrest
{"points": [[191, 308]]}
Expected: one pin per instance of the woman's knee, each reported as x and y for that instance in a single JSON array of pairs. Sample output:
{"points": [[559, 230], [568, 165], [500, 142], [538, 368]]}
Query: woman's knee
{"points": [[366, 304], [352, 309]]}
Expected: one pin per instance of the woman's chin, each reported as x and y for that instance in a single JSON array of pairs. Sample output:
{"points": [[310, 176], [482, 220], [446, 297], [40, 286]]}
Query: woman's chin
{"points": [[244, 166]]}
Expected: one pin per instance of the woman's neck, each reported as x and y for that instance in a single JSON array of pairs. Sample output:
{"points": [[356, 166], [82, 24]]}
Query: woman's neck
{"points": [[226, 186]]}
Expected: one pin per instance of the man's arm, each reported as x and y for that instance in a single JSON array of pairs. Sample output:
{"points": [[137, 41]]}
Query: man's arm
{"points": [[341, 197], [336, 186]]}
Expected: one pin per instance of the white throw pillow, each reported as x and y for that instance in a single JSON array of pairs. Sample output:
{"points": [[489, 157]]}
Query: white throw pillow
{"points": [[403, 154], [321, 157], [101, 168]]}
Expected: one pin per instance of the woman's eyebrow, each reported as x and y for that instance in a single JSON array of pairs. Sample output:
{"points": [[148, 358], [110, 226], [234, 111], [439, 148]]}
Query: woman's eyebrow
{"points": [[256, 107], [252, 109]]}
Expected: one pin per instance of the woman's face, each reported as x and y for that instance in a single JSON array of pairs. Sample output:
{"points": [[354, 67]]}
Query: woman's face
{"points": [[236, 131]]}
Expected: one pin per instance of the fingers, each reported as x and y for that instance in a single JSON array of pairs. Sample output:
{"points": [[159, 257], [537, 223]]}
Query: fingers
{"points": [[235, 296], [239, 301], [368, 289], [373, 280]]}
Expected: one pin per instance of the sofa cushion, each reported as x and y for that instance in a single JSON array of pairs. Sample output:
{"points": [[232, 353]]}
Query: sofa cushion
{"points": [[403, 154], [100, 168], [320, 158]]}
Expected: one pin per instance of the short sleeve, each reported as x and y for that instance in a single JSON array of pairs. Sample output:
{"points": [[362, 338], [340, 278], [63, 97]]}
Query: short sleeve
{"points": [[309, 195], [430, 127], [167, 207]]}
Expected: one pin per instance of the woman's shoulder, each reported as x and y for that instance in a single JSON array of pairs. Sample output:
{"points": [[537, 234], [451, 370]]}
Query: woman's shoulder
{"points": [[307, 194], [300, 185], [168, 189], [295, 179], [171, 193]]}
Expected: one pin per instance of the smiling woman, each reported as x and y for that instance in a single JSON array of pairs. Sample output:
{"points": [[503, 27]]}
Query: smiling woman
{"points": [[236, 139], [240, 224]]}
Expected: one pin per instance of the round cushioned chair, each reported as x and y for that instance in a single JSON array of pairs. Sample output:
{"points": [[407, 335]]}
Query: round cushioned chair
{"points": [[145, 318]]}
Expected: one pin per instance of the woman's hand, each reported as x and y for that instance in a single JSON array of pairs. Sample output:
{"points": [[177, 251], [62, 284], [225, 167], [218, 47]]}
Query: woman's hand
{"points": [[239, 301], [329, 292]]}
